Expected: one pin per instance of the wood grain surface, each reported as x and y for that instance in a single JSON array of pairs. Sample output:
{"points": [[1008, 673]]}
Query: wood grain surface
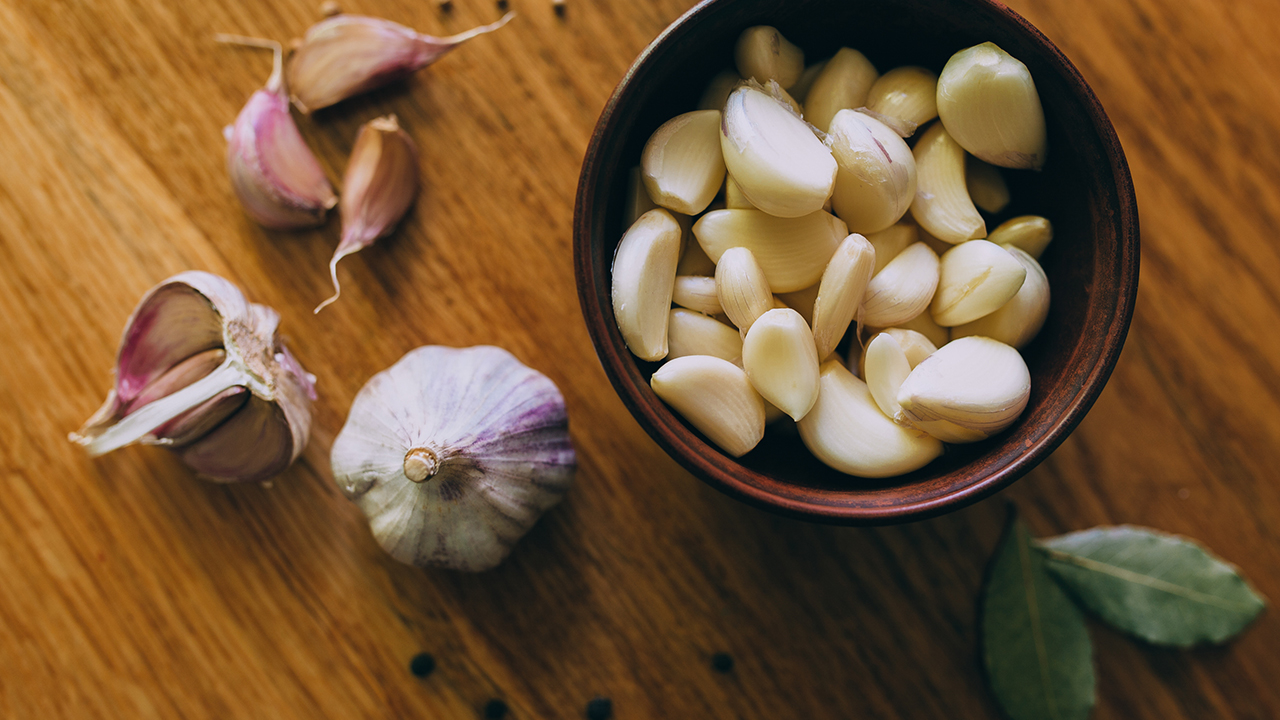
{"points": [[129, 589]]}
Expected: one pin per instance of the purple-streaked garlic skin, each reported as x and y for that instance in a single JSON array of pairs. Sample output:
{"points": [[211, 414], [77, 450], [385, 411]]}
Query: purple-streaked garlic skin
{"points": [[196, 329], [496, 433], [347, 55]]}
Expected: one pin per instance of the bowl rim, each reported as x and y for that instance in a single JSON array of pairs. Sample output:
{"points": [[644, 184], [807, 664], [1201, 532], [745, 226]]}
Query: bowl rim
{"points": [[706, 469]]}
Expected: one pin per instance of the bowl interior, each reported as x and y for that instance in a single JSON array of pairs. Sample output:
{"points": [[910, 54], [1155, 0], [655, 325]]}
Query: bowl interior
{"points": [[1085, 190]]}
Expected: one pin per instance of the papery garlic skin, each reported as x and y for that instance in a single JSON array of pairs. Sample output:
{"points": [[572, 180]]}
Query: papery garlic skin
{"points": [[989, 104], [715, 397], [453, 454], [876, 182]]}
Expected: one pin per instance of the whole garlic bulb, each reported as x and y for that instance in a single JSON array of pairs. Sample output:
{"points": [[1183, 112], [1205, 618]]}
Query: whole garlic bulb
{"points": [[453, 454]]}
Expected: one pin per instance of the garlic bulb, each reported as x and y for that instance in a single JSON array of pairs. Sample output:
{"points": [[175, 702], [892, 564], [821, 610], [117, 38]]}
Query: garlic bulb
{"points": [[453, 454], [203, 372]]}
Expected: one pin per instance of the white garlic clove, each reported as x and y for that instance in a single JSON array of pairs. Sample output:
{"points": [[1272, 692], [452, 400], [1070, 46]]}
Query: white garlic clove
{"points": [[914, 345], [885, 366], [682, 162], [453, 454], [876, 181], [644, 276], [942, 205], [846, 430], [989, 103], [733, 197], [974, 382], [843, 84], [1018, 321], [891, 241], [692, 333], [763, 54], [800, 90], [975, 279], [802, 301], [844, 283], [715, 397], [986, 185], [717, 91], [694, 260], [779, 357], [1029, 233], [697, 292], [903, 289], [908, 94], [781, 167], [742, 288], [935, 334], [792, 251], [637, 201]]}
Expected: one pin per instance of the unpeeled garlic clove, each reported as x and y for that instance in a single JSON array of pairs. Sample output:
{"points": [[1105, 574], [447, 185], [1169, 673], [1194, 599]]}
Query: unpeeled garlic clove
{"points": [[781, 167], [891, 241], [742, 287], [717, 91], [792, 251], [692, 333], [697, 292], [347, 55], [989, 103], [1018, 321], [780, 360], [843, 84], [1029, 233], [637, 201], [942, 205], [379, 186], [840, 293], [682, 162], [976, 383], [715, 397], [876, 181], [763, 54], [903, 289], [644, 276], [986, 185], [847, 431], [975, 279], [908, 94]]}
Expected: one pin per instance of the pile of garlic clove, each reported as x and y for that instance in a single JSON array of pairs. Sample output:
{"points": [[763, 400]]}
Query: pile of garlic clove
{"points": [[797, 211]]}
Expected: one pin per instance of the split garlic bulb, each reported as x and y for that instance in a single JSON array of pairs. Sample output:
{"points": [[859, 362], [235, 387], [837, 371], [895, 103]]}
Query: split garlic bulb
{"points": [[453, 454]]}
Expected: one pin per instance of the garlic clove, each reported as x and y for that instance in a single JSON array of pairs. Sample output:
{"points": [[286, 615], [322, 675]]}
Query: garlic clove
{"points": [[715, 397], [989, 103], [903, 289], [742, 287], [914, 345], [908, 94], [733, 197], [453, 454], [644, 276], [379, 186], [891, 241], [694, 260], [692, 333], [717, 91], [763, 54], [974, 382], [1018, 321], [876, 181], [1029, 233], [846, 430], [986, 185], [975, 279], [780, 360], [800, 90], [885, 366], [682, 162], [840, 293], [802, 301], [843, 84], [637, 201], [347, 55], [792, 251], [942, 205], [697, 292], [781, 167]]}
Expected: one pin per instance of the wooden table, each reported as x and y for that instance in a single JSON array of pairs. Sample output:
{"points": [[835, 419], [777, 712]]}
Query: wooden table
{"points": [[129, 589]]}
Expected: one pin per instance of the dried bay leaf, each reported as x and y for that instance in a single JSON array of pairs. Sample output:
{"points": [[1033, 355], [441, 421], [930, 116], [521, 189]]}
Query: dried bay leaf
{"points": [[1165, 589], [1036, 647]]}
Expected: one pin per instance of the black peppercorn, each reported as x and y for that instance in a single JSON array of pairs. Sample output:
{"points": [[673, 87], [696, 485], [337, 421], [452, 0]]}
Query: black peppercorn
{"points": [[495, 709], [722, 662], [600, 708], [422, 664]]}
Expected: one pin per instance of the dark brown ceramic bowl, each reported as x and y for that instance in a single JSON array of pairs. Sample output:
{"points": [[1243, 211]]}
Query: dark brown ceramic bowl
{"points": [[1084, 189]]}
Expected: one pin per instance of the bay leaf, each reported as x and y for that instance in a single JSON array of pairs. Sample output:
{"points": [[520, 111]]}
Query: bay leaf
{"points": [[1035, 644], [1165, 589]]}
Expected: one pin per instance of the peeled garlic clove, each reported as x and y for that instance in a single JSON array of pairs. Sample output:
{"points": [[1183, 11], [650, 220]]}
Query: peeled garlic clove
{"points": [[843, 84], [1018, 321], [715, 397], [682, 162], [379, 186], [733, 197], [781, 167], [926, 326], [347, 55], [885, 366], [692, 333], [975, 279], [644, 277], [891, 241], [986, 185], [196, 363], [694, 260], [840, 293], [792, 251], [453, 454], [1029, 233], [908, 94], [989, 103], [762, 54], [274, 174], [779, 357], [742, 287], [800, 90], [717, 91], [876, 181], [942, 205], [914, 345], [846, 430], [802, 301], [697, 292], [637, 201], [903, 289], [974, 382]]}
